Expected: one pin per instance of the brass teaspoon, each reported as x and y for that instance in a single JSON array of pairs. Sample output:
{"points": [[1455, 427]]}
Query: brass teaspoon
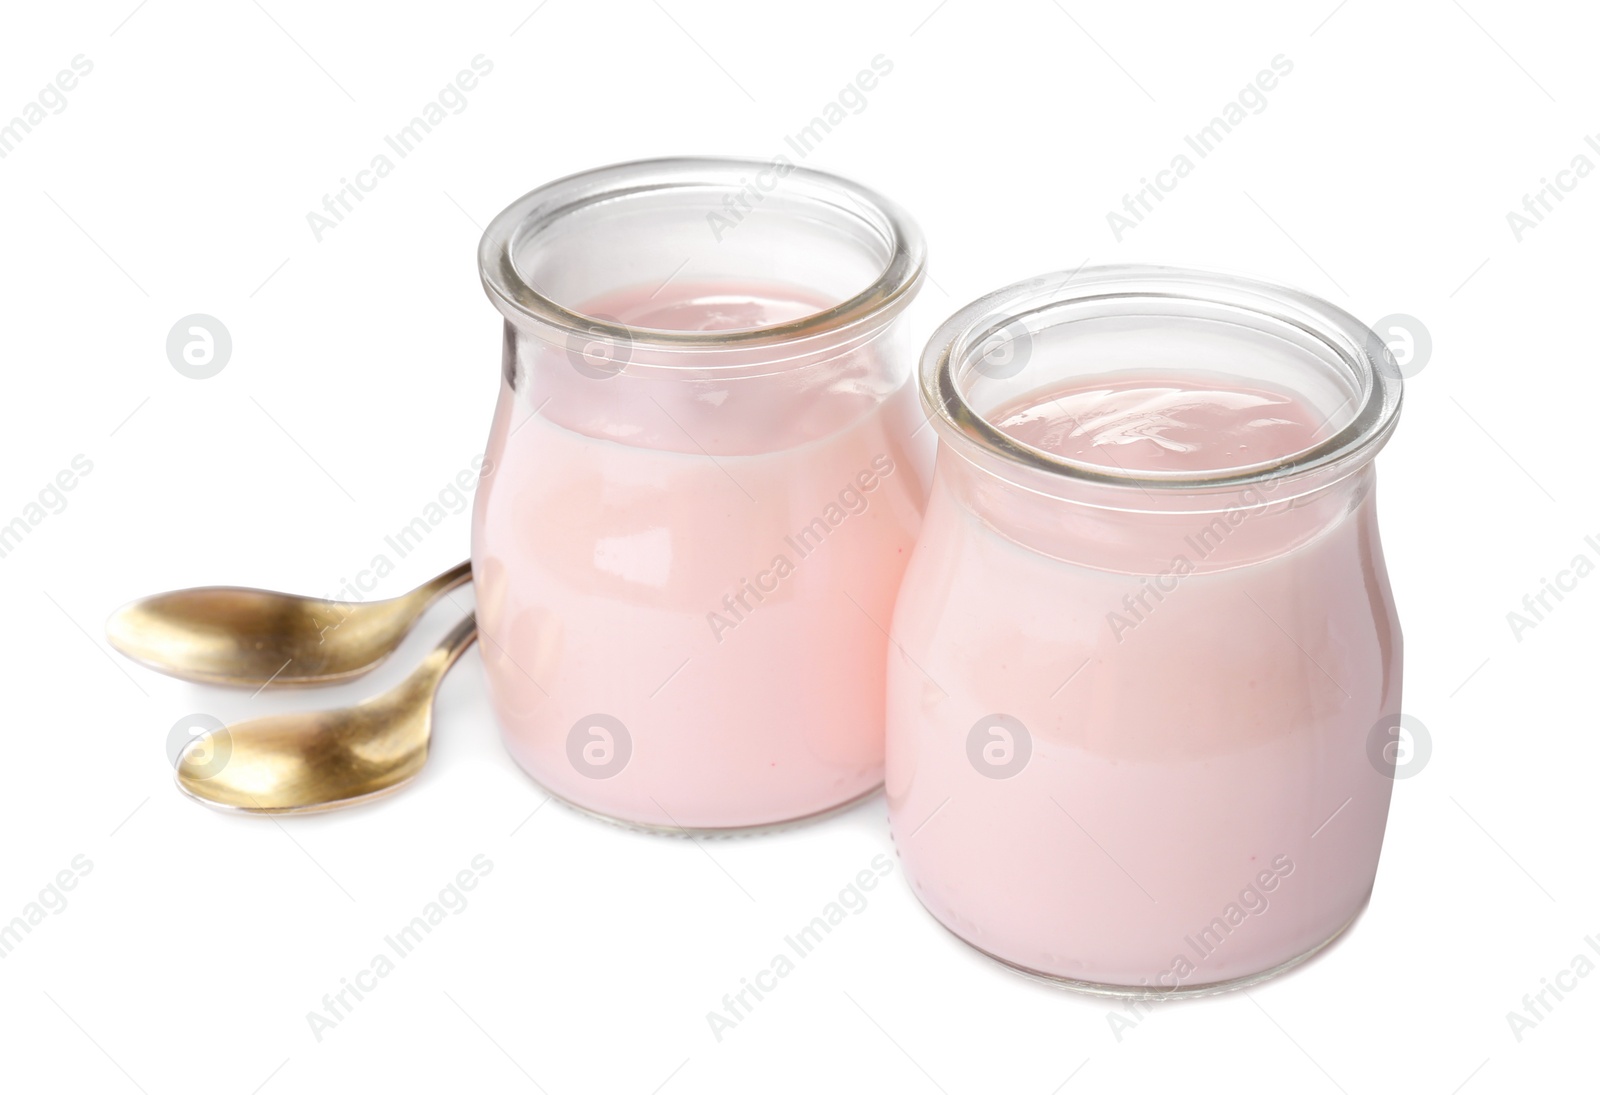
{"points": [[254, 637], [323, 760]]}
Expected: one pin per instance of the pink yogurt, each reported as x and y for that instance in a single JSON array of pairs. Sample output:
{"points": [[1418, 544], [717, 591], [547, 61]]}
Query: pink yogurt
{"points": [[1128, 748], [684, 586]]}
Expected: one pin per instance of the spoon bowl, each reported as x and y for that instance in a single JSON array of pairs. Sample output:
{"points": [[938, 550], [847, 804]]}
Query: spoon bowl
{"points": [[323, 760], [255, 637]]}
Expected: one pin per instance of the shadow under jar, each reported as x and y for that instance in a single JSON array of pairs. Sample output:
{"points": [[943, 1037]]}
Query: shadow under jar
{"points": [[699, 495], [1145, 656]]}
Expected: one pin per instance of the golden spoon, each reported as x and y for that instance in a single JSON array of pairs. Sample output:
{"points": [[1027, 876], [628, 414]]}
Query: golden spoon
{"points": [[254, 637], [323, 760]]}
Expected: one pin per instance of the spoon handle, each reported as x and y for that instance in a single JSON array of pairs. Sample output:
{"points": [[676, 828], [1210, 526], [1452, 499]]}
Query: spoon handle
{"points": [[442, 657], [434, 588]]}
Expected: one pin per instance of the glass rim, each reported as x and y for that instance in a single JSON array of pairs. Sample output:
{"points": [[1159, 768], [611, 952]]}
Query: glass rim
{"points": [[1360, 348], [515, 296]]}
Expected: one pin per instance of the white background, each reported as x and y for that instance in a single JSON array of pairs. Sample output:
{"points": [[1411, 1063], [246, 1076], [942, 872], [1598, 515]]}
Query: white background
{"points": [[364, 367]]}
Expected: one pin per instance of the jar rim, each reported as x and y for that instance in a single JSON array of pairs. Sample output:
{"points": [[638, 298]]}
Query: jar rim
{"points": [[1361, 349], [888, 293]]}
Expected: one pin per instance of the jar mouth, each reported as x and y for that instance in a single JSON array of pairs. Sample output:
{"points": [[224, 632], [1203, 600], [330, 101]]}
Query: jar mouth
{"points": [[1095, 322], [702, 210]]}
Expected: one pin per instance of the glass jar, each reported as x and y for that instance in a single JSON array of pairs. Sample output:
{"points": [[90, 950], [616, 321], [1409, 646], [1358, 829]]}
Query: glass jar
{"points": [[1147, 636], [700, 492]]}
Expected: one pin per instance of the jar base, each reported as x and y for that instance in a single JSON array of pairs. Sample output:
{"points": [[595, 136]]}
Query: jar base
{"points": [[704, 832], [1145, 992]]}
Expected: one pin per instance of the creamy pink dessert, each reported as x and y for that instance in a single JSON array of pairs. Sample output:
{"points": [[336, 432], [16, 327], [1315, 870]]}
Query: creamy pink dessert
{"points": [[1128, 746], [1160, 423], [683, 583]]}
